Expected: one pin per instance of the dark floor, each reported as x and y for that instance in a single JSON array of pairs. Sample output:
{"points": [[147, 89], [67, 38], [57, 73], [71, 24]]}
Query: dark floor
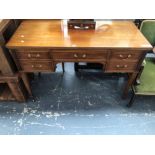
{"points": [[83, 103]]}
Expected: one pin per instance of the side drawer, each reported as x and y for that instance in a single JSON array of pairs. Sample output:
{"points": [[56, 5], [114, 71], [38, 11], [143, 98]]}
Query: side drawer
{"points": [[31, 54], [126, 55], [120, 66], [81, 55], [36, 66]]}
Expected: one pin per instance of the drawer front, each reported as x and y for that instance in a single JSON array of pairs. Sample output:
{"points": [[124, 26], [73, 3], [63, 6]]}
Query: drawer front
{"points": [[32, 55], [36, 66], [78, 55], [118, 66], [126, 55]]}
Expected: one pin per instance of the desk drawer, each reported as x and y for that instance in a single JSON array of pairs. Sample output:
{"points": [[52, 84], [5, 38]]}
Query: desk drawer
{"points": [[25, 54], [126, 55], [118, 66], [36, 66], [78, 55]]}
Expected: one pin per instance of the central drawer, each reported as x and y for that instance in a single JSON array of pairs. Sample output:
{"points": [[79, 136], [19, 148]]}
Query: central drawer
{"points": [[36, 66], [79, 55]]}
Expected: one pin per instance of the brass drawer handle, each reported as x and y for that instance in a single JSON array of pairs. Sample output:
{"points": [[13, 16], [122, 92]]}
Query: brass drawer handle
{"points": [[84, 56], [38, 55], [121, 66], [36, 66], [29, 55], [121, 56], [75, 56]]}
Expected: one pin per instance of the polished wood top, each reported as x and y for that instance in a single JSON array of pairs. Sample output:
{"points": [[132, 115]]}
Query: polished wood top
{"points": [[54, 34]]}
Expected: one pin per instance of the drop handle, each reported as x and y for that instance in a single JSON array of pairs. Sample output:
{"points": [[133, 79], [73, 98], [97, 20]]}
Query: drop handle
{"points": [[84, 56], [75, 56], [81, 27], [36, 66], [29, 55], [121, 56], [121, 66], [38, 55]]}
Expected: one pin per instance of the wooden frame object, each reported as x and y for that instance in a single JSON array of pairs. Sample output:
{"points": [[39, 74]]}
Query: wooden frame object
{"points": [[7, 65], [7, 28], [17, 88], [81, 24], [38, 45]]}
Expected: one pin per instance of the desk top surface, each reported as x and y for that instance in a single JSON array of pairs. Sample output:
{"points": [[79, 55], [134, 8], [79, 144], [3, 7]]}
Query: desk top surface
{"points": [[55, 34]]}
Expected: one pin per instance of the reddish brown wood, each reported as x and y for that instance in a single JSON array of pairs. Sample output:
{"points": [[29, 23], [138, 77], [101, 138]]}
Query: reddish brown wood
{"points": [[131, 80], [26, 81], [8, 68], [55, 34], [79, 55], [121, 66], [119, 45], [128, 55], [18, 93], [36, 66], [6, 94], [16, 86], [32, 55]]}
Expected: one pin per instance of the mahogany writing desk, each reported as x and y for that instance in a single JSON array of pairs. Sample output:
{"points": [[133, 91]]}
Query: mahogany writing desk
{"points": [[38, 45]]}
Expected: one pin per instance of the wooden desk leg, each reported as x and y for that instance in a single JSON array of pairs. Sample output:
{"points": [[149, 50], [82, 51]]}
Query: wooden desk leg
{"points": [[131, 100], [17, 91], [63, 67], [76, 66], [139, 74], [131, 79], [39, 74], [26, 81]]}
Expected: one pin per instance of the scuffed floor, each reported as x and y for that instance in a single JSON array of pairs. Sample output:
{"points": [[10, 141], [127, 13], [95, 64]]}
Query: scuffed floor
{"points": [[82, 103]]}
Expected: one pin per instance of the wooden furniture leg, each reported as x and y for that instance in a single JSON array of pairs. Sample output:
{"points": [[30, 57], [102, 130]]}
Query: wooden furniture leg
{"points": [[63, 67], [131, 79], [17, 91], [76, 67], [131, 100], [26, 81], [139, 74], [39, 74]]}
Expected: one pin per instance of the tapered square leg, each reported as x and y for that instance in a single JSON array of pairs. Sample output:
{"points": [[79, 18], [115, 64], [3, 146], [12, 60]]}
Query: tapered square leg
{"points": [[26, 81], [131, 80]]}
